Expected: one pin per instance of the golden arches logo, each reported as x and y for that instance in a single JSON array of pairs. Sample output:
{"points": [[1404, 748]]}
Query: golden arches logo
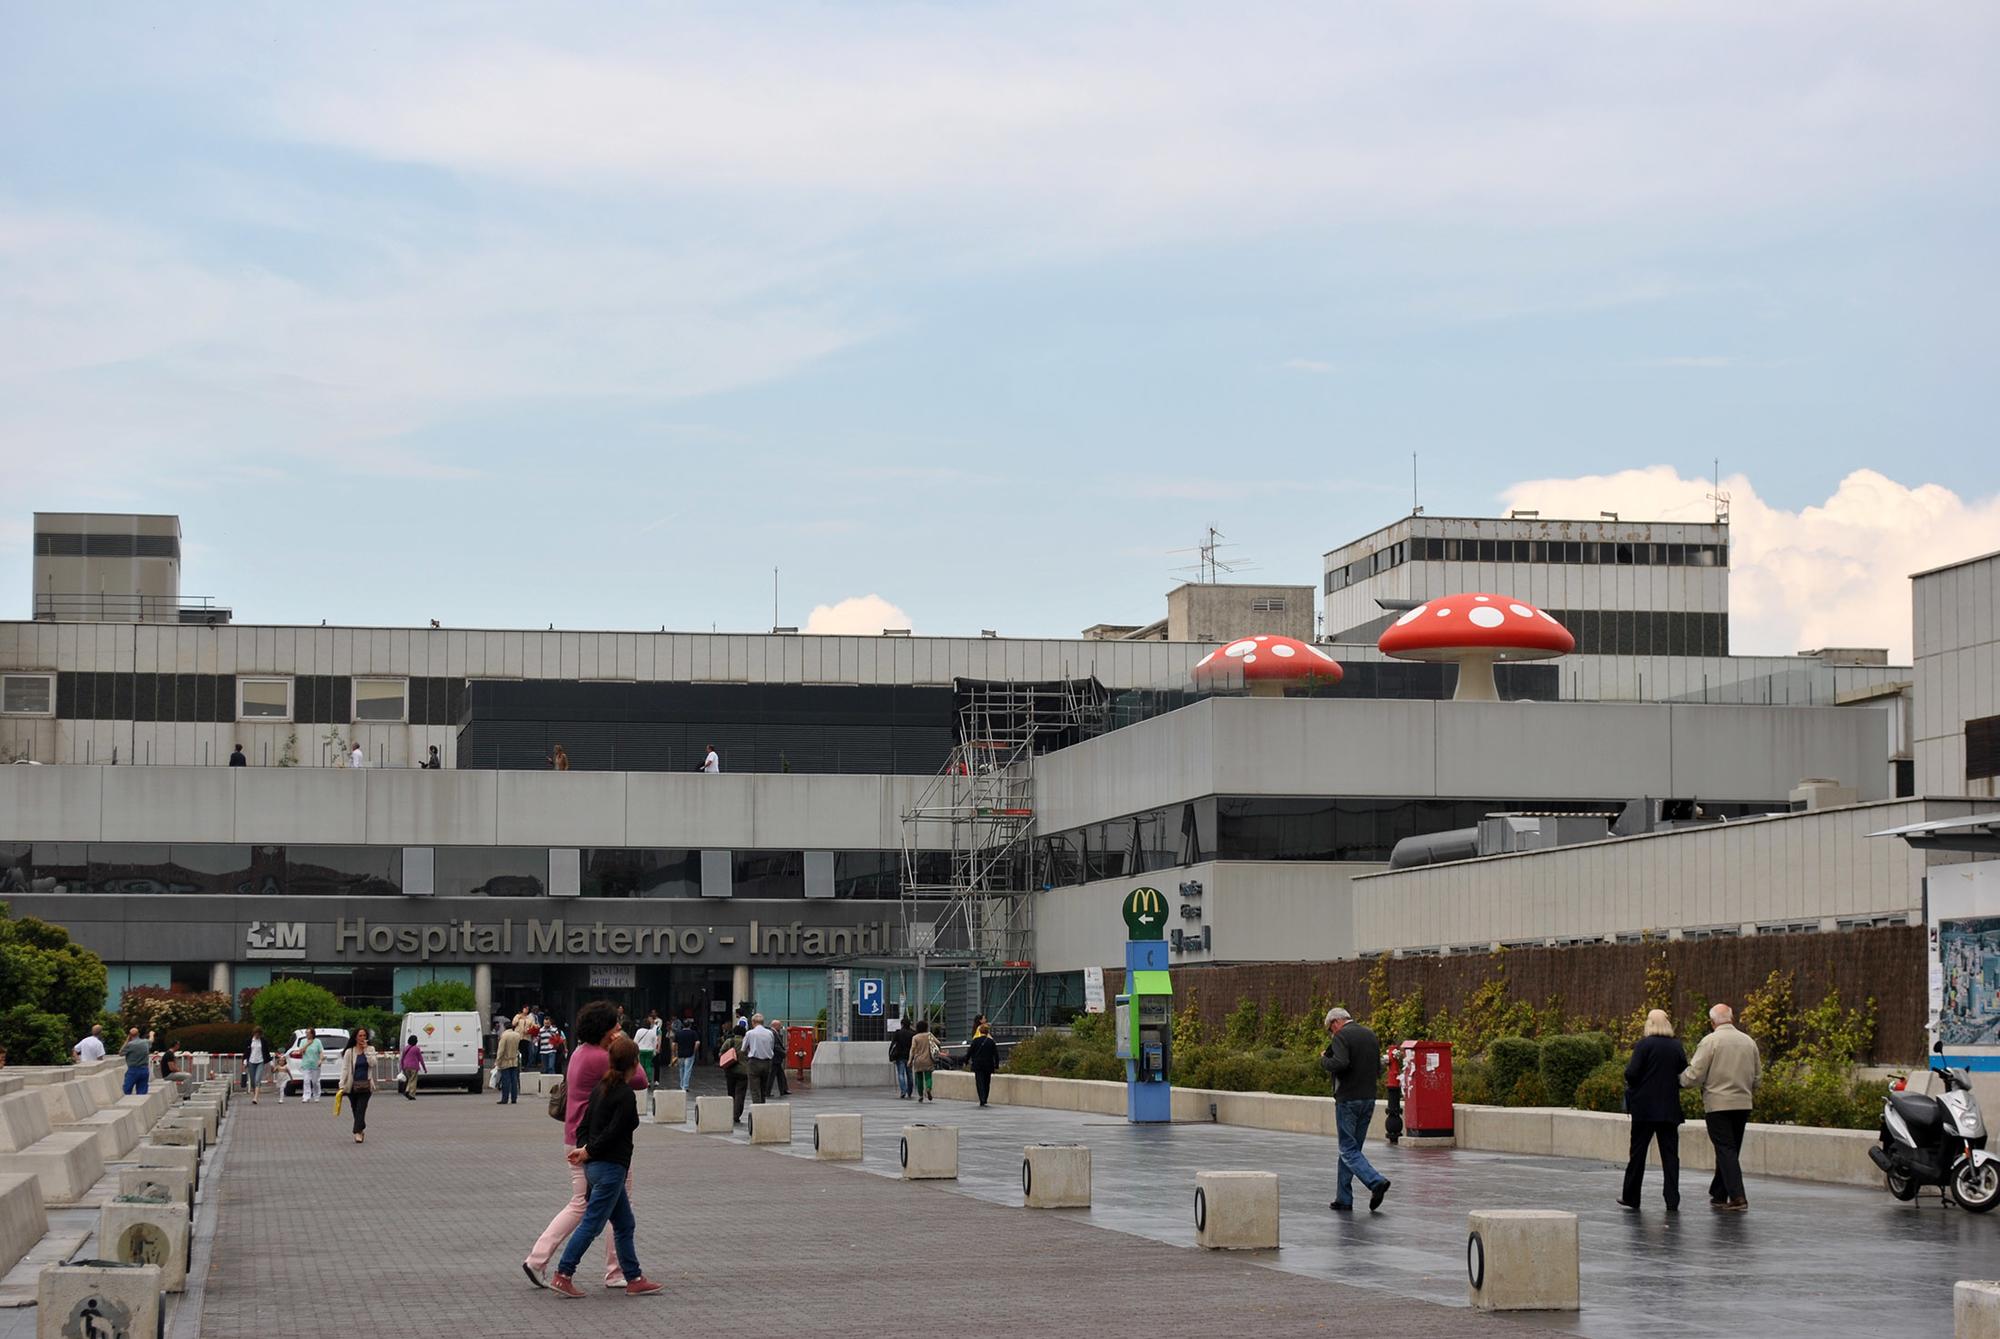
{"points": [[1145, 913]]}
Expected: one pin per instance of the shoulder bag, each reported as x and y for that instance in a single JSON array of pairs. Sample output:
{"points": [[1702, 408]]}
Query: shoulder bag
{"points": [[557, 1096]]}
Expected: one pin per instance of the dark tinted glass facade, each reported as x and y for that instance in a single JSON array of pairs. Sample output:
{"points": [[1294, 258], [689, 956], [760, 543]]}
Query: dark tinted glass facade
{"points": [[201, 869], [1567, 552]]}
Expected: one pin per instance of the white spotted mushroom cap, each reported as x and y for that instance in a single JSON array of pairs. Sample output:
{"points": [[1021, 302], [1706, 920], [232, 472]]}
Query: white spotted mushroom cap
{"points": [[1268, 657], [1454, 626]]}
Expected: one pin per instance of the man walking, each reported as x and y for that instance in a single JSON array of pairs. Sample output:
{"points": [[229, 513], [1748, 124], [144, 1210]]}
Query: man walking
{"points": [[507, 1066], [758, 1047], [778, 1058], [309, 1061], [1726, 1067], [1353, 1060], [138, 1054], [687, 1043], [91, 1049]]}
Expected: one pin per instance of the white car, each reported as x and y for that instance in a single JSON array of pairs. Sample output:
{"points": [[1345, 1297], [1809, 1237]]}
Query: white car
{"points": [[333, 1041]]}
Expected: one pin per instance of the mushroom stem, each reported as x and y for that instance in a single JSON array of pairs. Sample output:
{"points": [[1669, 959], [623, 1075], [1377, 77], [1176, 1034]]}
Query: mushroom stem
{"points": [[1475, 679]]}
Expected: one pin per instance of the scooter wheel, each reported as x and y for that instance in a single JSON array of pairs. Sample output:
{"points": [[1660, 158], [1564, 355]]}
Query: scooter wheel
{"points": [[1901, 1185], [1977, 1186]]}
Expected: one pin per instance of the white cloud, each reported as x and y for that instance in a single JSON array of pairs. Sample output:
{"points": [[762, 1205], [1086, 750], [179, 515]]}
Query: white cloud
{"points": [[1832, 574], [856, 616]]}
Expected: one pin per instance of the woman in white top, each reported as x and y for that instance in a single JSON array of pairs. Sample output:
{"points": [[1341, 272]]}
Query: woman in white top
{"points": [[255, 1056]]}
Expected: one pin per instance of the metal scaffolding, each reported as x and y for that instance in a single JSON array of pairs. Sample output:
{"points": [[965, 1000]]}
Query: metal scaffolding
{"points": [[968, 841]]}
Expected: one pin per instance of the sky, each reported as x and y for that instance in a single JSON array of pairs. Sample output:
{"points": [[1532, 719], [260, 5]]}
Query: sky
{"points": [[968, 317]]}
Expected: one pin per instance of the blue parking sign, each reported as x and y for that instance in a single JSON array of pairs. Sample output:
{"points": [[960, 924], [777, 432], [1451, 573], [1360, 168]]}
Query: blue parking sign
{"points": [[868, 1004]]}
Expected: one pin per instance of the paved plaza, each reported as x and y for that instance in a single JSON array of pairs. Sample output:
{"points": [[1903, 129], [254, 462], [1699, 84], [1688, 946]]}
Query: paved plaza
{"points": [[422, 1230]]}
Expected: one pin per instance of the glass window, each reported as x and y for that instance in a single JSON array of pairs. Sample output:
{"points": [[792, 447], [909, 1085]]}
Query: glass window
{"points": [[768, 873], [1701, 555], [867, 874], [28, 694], [492, 871], [381, 699], [669, 872], [263, 699], [340, 871]]}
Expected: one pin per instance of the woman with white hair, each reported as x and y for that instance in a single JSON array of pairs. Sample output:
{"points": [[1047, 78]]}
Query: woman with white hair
{"points": [[1653, 1099]]}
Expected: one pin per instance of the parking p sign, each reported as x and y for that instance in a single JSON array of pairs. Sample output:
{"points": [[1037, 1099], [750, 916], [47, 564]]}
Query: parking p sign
{"points": [[868, 1004]]}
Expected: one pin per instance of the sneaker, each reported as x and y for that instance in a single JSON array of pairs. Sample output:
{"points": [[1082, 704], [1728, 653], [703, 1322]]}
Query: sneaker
{"points": [[562, 1285], [614, 1283], [1377, 1195], [641, 1287], [535, 1276]]}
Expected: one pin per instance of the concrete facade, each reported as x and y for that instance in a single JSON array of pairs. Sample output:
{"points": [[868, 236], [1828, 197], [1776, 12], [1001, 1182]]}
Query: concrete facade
{"points": [[1216, 612], [1957, 648]]}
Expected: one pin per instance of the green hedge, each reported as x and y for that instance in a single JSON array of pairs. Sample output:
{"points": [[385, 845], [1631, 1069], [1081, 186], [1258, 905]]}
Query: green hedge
{"points": [[283, 1007], [221, 1038], [1567, 1061], [1603, 1089], [1508, 1060]]}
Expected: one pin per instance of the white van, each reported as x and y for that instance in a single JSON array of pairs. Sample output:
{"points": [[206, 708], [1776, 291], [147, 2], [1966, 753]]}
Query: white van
{"points": [[453, 1048]]}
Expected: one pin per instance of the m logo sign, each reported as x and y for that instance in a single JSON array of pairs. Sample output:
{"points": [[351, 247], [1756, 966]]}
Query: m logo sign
{"points": [[275, 939], [1145, 914]]}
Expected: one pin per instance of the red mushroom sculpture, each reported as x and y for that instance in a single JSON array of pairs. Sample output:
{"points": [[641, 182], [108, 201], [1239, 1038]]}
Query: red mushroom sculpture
{"points": [[1473, 631], [1266, 663]]}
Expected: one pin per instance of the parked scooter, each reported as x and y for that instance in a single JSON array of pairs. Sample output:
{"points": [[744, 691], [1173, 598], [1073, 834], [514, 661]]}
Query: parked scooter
{"points": [[1938, 1141]]}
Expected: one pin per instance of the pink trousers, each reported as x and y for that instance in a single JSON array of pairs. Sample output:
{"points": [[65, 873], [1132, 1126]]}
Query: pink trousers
{"points": [[557, 1234]]}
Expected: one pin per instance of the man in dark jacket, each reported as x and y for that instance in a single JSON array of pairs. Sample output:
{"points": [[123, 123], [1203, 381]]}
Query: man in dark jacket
{"points": [[1353, 1060]]}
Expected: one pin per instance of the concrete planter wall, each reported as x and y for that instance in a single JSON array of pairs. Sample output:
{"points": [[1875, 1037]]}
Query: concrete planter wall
{"points": [[1838, 1157]]}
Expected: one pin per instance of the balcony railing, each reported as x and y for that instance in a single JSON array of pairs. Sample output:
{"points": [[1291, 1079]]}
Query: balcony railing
{"points": [[84, 607]]}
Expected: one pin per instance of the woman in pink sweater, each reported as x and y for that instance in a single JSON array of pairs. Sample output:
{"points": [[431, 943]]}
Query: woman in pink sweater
{"points": [[596, 1025]]}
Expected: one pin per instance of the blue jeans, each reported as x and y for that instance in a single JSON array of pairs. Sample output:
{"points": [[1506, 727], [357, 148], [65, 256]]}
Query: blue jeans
{"points": [[510, 1084], [903, 1077], [687, 1071], [608, 1200], [138, 1079], [1352, 1119], [548, 1060]]}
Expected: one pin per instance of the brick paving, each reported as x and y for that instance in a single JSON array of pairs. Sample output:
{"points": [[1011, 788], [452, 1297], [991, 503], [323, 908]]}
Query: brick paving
{"points": [[422, 1229]]}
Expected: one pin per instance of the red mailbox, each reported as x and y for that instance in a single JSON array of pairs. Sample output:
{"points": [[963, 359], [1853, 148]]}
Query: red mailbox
{"points": [[1427, 1089], [799, 1045]]}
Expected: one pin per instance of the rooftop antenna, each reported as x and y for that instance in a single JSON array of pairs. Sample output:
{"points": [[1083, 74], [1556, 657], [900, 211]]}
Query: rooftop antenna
{"points": [[1718, 497], [1208, 564], [1416, 508], [774, 598]]}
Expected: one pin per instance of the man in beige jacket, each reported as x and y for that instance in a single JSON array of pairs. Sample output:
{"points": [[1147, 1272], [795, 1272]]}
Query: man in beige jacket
{"points": [[1725, 1067]]}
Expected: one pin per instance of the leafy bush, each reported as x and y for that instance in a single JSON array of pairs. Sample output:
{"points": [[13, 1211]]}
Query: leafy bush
{"points": [[447, 997], [1567, 1061], [379, 1022], [1472, 1082], [156, 1009], [283, 1007], [1820, 1095], [46, 975], [1603, 1089], [1509, 1058], [34, 1036], [222, 1038], [1528, 1091]]}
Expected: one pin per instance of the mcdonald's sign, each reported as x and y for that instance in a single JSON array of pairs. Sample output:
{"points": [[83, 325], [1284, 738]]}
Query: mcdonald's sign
{"points": [[1145, 914]]}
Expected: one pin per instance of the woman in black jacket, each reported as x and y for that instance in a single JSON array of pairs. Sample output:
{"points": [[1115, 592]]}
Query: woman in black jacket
{"points": [[604, 1151], [899, 1056], [1653, 1097], [982, 1057]]}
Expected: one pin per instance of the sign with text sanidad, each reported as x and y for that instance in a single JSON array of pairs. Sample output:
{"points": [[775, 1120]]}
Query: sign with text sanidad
{"points": [[1093, 990]]}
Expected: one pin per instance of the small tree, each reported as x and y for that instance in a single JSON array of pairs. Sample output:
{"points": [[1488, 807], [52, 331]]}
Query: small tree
{"points": [[53, 990], [440, 997], [283, 1007]]}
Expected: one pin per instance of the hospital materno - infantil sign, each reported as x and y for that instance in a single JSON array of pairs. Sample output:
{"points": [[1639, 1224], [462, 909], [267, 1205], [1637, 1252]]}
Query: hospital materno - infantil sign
{"points": [[559, 938]]}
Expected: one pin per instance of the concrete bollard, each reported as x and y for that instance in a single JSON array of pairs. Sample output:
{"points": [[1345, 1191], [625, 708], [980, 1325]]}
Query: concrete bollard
{"points": [[189, 1132], [98, 1297], [930, 1153], [24, 1218], [172, 1184], [837, 1137], [712, 1115], [1975, 1309], [1522, 1260], [771, 1123], [1055, 1176], [670, 1106], [1236, 1211], [208, 1112], [146, 1232], [186, 1157]]}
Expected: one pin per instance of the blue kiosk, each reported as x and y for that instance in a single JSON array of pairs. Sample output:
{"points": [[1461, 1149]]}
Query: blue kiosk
{"points": [[1144, 1014]]}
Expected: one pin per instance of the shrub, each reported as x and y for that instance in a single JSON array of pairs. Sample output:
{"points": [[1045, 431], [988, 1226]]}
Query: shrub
{"points": [[1472, 1082], [43, 972], [222, 1038], [1603, 1089], [445, 997], [34, 1036], [379, 1022], [1528, 1091], [283, 1007], [1566, 1061], [156, 1009], [1818, 1095], [1508, 1059]]}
